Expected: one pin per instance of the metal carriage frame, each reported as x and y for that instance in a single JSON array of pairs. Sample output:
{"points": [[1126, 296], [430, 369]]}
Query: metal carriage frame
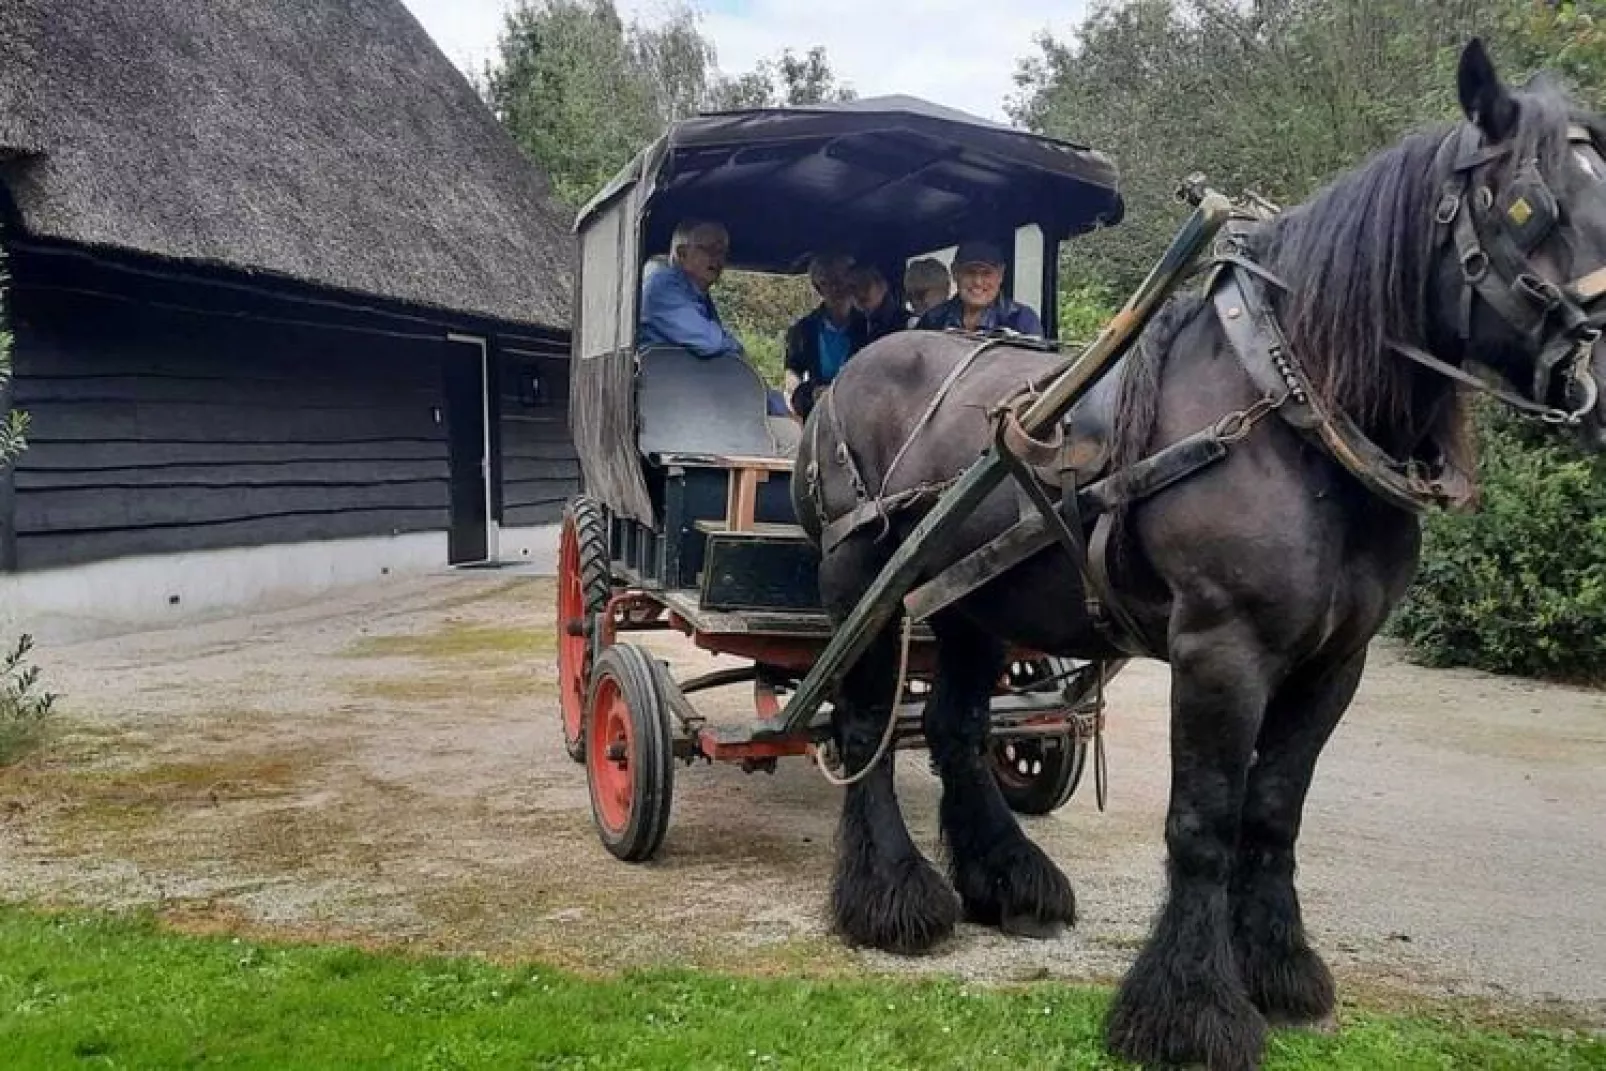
{"points": [[685, 525]]}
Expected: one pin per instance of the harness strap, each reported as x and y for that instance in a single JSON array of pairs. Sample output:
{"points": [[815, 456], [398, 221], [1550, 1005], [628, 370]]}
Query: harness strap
{"points": [[871, 511], [932, 406], [1450, 371], [1031, 534], [1263, 352]]}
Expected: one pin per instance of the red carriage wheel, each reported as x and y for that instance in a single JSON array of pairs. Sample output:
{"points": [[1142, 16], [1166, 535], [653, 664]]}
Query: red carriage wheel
{"points": [[1038, 775], [630, 760], [584, 587]]}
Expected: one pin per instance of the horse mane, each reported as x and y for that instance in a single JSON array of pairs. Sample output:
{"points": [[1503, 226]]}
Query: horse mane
{"points": [[1359, 258]]}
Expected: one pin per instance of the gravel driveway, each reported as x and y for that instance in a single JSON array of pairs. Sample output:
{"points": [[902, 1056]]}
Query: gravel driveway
{"points": [[385, 767]]}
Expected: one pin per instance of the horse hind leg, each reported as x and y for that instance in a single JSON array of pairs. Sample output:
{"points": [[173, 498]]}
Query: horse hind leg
{"points": [[885, 894], [1285, 977], [1184, 1000], [1002, 877]]}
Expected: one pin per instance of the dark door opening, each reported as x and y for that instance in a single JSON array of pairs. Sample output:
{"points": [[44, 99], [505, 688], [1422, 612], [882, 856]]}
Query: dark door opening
{"points": [[468, 460]]}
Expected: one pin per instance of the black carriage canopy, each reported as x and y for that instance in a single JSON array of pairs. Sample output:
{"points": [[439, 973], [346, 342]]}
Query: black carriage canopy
{"points": [[894, 174]]}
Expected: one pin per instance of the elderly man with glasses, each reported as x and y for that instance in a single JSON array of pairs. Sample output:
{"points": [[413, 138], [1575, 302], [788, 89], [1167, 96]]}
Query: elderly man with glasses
{"points": [[676, 309]]}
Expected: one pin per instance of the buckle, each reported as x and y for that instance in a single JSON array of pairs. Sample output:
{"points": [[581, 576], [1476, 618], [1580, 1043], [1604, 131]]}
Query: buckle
{"points": [[1474, 265], [1449, 208], [1542, 292]]}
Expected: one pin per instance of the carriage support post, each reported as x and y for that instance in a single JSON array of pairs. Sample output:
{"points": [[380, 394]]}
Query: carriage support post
{"points": [[881, 601]]}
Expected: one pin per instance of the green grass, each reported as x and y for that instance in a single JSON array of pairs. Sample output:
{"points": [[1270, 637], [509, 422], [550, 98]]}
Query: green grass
{"points": [[98, 992]]}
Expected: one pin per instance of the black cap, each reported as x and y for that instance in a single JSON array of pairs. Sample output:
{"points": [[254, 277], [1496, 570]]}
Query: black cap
{"points": [[979, 251]]}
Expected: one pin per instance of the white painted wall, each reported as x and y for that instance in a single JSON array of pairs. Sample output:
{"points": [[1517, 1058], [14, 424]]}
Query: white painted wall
{"points": [[156, 591]]}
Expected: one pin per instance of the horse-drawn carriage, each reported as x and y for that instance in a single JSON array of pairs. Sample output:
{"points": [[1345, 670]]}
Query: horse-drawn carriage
{"points": [[1263, 454], [686, 522]]}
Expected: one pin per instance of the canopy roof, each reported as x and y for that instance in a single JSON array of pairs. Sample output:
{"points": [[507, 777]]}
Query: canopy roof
{"points": [[889, 174]]}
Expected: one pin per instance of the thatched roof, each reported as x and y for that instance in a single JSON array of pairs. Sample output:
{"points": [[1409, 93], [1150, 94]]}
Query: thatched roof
{"points": [[328, 142]]}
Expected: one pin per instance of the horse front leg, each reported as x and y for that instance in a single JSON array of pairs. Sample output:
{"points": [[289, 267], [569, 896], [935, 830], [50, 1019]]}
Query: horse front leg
{"points": [[886, 894], [1184, 1000], [1002, 877], [1285, 977]]}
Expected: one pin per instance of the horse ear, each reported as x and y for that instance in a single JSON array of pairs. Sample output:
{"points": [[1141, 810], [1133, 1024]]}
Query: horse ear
{"points": [[1484, 97]]}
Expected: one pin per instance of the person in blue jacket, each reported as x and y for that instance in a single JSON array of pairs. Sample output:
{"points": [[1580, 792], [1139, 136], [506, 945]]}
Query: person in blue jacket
{"points": [[819, 344], [979, 303], [676, 307]]}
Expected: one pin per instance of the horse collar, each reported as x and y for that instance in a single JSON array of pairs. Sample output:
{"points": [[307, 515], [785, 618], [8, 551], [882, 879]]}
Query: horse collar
{"points": [[1262, 349]]}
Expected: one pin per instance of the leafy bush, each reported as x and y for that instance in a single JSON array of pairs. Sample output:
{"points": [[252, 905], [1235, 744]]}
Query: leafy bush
{"points": [[24, 710], [1520, 585], [1084, 309], [759, 308], [13, 425]]}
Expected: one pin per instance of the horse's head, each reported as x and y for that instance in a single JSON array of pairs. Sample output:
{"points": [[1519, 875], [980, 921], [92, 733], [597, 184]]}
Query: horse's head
{"points": [[1524, 212]]}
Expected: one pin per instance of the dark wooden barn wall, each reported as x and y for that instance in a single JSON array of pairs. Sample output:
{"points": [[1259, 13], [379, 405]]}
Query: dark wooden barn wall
{"points": [[159, 431], [540, 469]]}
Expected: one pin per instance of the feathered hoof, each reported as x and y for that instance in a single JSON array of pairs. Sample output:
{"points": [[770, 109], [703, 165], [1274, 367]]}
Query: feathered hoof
{"points": [[1163, 1018], [905, 908], [1017, 888], [1292, 987]]}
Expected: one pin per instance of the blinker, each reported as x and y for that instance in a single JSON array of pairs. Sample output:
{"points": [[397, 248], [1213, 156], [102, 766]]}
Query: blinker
{"points": [[1529, 209]]}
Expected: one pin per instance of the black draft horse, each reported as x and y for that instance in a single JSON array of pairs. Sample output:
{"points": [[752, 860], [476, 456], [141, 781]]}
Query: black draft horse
{"points": [[1263, 578]]}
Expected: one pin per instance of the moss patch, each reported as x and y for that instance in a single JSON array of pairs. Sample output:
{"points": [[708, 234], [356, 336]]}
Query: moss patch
{"points": [[457, 640], [447, 687]]}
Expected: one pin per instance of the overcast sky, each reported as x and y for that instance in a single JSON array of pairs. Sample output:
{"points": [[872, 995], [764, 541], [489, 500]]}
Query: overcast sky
{"points": [[961, 53]]}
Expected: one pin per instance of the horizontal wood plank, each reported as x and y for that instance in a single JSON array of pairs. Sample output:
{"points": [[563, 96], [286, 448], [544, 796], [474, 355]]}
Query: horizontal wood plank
{"points": [[257, 393], [534, 513], [75, 456], [92, 510], [334, 475], [185, 422], [58, 549]]}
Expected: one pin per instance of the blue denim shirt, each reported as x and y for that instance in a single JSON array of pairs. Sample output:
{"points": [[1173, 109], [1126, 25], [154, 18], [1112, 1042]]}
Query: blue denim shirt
{"points": [[675, 313], [1004, 313]]}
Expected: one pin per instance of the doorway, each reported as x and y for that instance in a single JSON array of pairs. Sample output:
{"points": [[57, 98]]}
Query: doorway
{"points": [[471, 532]]}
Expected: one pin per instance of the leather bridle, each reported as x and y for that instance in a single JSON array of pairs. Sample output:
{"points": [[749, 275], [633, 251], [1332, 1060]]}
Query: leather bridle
{"points": [[1494, 237]]}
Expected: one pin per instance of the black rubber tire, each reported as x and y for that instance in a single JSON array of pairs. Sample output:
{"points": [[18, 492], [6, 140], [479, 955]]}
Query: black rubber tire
{"points": [[1056, 766], [1038, 776], [651, 759], [596, 582]]}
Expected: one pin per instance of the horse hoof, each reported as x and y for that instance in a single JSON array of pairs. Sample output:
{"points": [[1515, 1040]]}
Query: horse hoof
{"points": [[1030, 926], [1161, 1017], [906, 911], [1289, 985], [1017, 888]]}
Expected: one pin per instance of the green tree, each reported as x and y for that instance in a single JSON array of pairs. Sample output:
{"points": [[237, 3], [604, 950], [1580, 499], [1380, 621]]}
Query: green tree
{"points": [[581, 92], [787, 80], [1281, 95]]}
